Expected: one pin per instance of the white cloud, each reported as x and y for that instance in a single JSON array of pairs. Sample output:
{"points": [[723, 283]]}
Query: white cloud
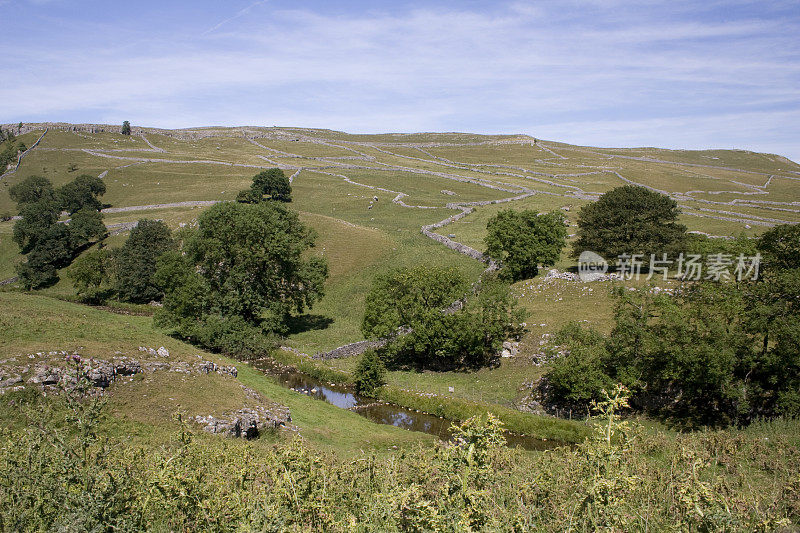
{"points": [[597, 68]]}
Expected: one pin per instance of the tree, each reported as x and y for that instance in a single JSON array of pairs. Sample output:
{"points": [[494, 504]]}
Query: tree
{"points": [[629, 220], [432, 320], [136, 261], [370, 373], [272, 183], [85, 225], [522, 240], [48, 244], [32, 189], [126, 128], [91, 273], [409, 298], [246, 265], [82, 193]]}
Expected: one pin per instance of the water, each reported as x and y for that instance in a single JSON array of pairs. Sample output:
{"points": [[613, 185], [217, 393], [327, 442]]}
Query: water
{"points": [[381, 412]]}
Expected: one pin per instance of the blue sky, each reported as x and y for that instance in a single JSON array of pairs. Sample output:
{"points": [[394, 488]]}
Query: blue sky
{"points": [[677, 74]]}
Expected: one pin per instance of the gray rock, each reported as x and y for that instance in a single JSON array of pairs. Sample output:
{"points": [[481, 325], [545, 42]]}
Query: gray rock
{"points": [[101, 376], [127, 367], [10, 381], [45, 375]]}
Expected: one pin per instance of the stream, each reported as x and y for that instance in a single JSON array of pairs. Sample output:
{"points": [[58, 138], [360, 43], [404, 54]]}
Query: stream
{"points": [[381, 412]]}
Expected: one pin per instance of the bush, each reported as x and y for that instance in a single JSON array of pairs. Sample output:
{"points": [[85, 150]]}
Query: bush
{"points": [[431, 323], [136, 261], [629, 220], [522, 240], [370, 373], [577, 375]]}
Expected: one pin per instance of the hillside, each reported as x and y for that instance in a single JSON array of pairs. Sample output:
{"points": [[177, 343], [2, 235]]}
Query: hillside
{"points": [[152, 456], [381, 201]]}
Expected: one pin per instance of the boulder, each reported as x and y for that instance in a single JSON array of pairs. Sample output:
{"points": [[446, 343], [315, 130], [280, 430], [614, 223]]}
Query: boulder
{"points": [[101, 376], [10, 381], [46, 375], [127, 367]]}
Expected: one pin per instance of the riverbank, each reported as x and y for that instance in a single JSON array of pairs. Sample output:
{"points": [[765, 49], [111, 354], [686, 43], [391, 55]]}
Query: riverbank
{"points": [[456, 409]]}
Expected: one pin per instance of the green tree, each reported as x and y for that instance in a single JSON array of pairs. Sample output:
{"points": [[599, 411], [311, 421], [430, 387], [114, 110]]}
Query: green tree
{"points": [[370, 373], [432, 322], [629, 220], [245, 264], [272, 183], [136, 261], [522, 240], [82, 193], [91, 273], [126, 128], [85, 225], [773, 318], [33, 189], [409, 298]]}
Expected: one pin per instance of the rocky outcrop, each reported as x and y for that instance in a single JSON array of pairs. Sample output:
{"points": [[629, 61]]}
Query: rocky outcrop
{"points": [[349, 350], [248, 422], [98, 372]]}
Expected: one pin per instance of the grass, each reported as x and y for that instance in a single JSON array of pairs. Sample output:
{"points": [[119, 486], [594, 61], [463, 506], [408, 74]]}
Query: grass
{"points": [[37, 324], [362, 242]]}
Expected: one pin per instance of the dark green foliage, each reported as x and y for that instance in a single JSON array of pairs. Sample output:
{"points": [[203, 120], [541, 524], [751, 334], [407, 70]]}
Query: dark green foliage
{"points": [[126, 128], [249, 196], [272, 183], [84, 226], [91, 274], [432, 321], [522, 240], [243, 272], [82, 193], [37, 220], [713, 354], [9, 147], [780, 247], [47, 244], [370, 373], [136, 261], [629, 220], [33, 189], [577, 375]]}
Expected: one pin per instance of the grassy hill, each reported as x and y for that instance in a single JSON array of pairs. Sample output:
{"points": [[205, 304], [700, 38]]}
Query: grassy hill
{"points": [[417, 179], [367, 197]]}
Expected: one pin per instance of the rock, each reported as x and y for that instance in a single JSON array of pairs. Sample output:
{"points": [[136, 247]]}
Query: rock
{"points": [[10, 381], [162, 352], [247, 422], [127, 367], [506, 354], [45, 375], [156, 366], [101, 376]]}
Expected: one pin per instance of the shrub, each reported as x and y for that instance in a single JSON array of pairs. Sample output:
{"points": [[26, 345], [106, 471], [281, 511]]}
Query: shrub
{"points": [[629, 220], [136, 261], [522, 240], [370, 373]]}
